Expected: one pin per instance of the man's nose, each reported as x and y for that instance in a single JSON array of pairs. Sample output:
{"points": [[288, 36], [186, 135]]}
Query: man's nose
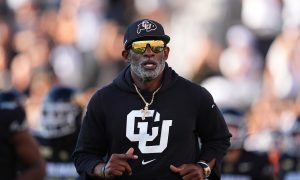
{"points": [[148, 51]]}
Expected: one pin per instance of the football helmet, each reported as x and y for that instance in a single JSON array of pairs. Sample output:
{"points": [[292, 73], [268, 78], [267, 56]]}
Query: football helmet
{"points": [[236, 125], [61, 115], [10, 98], [12, 112]]}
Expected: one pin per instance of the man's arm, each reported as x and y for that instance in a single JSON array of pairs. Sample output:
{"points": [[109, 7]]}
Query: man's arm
{"points": [[91, 147], [213, 132], [28, 152], [116, 166]]}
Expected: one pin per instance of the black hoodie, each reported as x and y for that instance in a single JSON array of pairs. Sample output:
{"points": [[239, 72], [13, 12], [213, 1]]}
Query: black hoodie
{"points": [[181, 112]]}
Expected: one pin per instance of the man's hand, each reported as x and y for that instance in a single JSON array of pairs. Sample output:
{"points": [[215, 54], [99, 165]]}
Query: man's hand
{"points": [[117, 164], [189, 171]]}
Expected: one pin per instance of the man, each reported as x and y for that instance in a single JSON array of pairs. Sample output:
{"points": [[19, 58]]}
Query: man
{"points": [[20, 157], [58, 131], [146, 124]]}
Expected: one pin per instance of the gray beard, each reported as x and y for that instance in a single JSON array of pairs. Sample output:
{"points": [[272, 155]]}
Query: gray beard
{"points": [[146, 75]]}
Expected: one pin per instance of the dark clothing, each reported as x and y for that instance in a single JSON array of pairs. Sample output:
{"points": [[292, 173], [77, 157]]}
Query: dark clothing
{"points": [[12, 121], [57, 153], [249, 166], [181, 112], [58, 131]]}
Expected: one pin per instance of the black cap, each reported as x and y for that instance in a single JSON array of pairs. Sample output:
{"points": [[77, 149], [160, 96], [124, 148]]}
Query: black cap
{"points": [[144, 29]]}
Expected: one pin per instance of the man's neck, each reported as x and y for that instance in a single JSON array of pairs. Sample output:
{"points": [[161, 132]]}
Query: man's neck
{"points": [[147, 85]]}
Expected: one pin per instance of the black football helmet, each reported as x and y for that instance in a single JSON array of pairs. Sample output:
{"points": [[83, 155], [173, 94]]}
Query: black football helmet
{"points": [[12, 112], [10, 97], [61, 115], [11, 100]]}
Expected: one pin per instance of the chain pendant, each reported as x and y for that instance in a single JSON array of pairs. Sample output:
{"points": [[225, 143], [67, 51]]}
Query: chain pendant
{"points": [[145, 111]]}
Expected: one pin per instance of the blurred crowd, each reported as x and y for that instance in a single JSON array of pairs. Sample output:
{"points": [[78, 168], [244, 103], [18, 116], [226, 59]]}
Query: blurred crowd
{"points": [[245, 52]]}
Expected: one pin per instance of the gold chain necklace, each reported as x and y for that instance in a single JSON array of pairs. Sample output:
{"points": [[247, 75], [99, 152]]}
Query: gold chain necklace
{"points": [[145, 110]]}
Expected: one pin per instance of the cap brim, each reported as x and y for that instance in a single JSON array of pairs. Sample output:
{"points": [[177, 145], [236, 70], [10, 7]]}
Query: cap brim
{"points": [[165, 38]]}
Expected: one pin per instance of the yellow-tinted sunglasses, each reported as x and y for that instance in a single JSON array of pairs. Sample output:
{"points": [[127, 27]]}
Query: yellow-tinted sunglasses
{"points": [[156, 46]]}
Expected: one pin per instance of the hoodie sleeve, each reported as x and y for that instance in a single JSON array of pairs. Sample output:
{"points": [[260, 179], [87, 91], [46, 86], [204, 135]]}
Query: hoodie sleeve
{"points": [[91, 144], [213, 132]]}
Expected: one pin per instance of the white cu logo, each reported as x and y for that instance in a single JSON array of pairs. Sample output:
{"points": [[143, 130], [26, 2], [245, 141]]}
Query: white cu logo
{"points": [[146, 26], [143, 137]]}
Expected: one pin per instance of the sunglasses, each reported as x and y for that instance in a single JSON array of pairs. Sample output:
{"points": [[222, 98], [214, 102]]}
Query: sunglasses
{"points": [[156, 46]]}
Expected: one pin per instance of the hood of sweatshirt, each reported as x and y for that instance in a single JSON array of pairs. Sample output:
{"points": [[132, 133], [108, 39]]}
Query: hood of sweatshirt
{"points": [[124, 80]]}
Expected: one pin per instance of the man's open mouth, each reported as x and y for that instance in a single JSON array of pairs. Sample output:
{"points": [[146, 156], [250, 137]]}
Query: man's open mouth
{"points": [[149, 65]]}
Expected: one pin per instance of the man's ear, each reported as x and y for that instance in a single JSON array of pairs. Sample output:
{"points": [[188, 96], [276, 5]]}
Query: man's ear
{"points": [[125, 54], [166, 52]]}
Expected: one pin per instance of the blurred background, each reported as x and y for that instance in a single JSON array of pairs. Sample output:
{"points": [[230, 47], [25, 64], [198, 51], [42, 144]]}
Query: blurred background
{"points": [[245, 52]]}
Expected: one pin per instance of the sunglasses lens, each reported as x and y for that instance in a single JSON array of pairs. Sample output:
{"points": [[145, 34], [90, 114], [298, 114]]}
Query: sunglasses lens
{"points": [[157, 49], [139, 50], [139, 47]]}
